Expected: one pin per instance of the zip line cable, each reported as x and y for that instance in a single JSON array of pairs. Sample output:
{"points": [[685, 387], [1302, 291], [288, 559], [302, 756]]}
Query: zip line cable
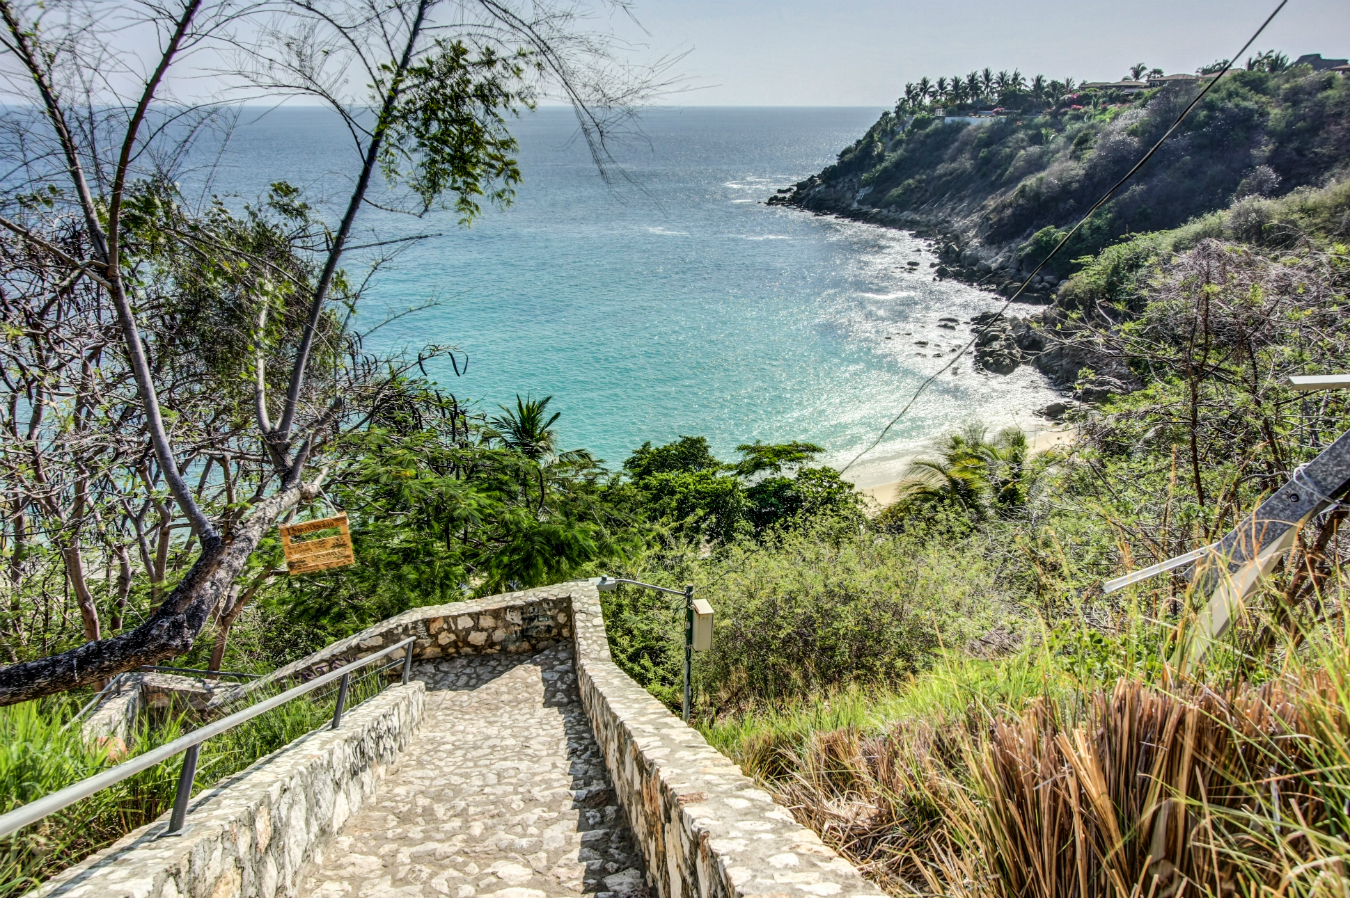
{"points": [[1076, 228]]}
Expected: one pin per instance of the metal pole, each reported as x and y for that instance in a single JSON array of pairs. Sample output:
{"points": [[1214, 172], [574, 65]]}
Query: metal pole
{"points": [[688, 644], [407, 664], [180, 801], [342, 699]]}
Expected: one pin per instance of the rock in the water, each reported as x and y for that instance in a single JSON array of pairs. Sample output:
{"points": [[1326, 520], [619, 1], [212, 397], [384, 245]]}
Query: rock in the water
{"points": [[996, 348]]}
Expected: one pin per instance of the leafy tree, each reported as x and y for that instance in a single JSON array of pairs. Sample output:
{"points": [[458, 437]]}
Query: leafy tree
{"points": [[684, 455], [93, 212], [698, 505], [814, 494], [758, 457]]}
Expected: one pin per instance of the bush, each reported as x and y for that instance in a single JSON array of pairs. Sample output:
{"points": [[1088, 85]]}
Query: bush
{"points": [[806, 609]]}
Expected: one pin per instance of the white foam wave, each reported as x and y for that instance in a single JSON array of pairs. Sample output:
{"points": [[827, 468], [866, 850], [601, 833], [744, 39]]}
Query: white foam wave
{"points": [[903, 294], [667, 233]]}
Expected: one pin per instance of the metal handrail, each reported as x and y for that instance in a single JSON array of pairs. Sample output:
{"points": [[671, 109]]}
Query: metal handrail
{"points": [[607, 584], [34, 811]]}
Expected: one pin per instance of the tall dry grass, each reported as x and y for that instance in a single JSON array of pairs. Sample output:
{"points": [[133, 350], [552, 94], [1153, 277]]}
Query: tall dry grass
{"points": [[1135, 791]]}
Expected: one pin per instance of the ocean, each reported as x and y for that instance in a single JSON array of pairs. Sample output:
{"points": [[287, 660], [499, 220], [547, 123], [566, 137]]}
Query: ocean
{"points": [[669, 301]]}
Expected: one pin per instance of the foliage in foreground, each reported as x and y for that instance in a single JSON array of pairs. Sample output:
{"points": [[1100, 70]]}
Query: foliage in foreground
{"points": [[807, 608], [42, 750], [1016, 778]]}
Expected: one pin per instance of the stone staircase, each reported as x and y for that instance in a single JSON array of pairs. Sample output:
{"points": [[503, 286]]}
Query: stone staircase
{"points": [[503, 793], [519, 762]]}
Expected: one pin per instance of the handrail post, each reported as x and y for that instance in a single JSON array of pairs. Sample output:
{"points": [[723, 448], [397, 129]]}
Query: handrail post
{"points": [[688, 645], [342, 700], [180, 801], [407, 664]]}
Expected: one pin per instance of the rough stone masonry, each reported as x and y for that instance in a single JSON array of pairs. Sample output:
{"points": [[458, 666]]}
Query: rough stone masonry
{"points": [[479, 805]]}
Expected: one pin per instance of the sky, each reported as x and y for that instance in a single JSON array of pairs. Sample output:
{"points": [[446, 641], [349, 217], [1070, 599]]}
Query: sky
{"points": [[861, 52]]}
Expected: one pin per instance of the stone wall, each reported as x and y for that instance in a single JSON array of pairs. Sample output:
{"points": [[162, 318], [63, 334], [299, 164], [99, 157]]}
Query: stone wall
{"points": [[512, 622], [115, 717], [132, 694], [251, 834], [704, 829]]}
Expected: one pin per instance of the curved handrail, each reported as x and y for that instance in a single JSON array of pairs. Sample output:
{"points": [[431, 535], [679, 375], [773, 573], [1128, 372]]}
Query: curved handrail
{"points": [[34, 811]]}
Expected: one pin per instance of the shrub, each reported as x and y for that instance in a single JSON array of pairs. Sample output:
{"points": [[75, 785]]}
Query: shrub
{"points": [[808, 608]]}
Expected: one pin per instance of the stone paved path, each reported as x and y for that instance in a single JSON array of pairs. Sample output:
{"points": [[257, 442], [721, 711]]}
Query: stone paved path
{"points": [[502, 793]]}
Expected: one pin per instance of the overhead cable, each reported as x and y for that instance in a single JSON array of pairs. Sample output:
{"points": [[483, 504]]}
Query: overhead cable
{"points": [[1076, 228]]}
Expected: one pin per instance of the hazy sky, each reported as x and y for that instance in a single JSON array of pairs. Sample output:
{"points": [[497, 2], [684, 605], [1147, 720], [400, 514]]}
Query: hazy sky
{"points": [[861, 52]]}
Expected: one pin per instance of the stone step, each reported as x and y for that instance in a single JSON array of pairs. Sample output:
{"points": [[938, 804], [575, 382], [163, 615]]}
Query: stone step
{"points": [[503, 792]]}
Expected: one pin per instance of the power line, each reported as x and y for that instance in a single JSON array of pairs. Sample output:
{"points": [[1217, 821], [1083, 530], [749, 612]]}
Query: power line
{"points": [[1082, 221]]}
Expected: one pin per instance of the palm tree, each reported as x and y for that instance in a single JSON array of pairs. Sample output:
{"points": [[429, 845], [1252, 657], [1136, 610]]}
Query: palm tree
{"points": [[525, 430], [1001, 81], [1039, 89], [973, 474], [1269, 61], [1068, 85], [955, 478], [1008, 478], [941, 92], [958, 91], [973, 86], [1137, 70], [987, 81], [1016, 81], [925, 88]]}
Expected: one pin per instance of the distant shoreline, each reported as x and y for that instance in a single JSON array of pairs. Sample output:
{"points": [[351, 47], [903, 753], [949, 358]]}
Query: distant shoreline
{"points": [[883, 493]]}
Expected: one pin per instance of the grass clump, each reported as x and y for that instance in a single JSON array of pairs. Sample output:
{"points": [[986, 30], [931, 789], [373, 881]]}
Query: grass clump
{"points": [[1018, 777]]}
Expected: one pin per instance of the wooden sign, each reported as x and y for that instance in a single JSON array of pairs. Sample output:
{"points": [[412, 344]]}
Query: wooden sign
{"points": [[308, 556]]}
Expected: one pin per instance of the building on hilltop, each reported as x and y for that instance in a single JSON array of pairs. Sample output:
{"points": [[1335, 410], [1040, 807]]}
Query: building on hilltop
{"points": [[1164, 80], [1321, 65], [1124, 86]]}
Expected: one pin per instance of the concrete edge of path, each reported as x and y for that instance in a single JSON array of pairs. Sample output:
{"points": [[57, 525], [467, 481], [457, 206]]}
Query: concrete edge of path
{"points": [[252, 833]]}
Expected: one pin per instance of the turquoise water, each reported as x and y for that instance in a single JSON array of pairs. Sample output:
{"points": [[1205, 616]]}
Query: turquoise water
{"points": [[673, 302]]}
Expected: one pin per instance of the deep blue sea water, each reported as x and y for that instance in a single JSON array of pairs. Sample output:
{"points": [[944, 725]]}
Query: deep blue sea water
{"points": [[674, 301]]}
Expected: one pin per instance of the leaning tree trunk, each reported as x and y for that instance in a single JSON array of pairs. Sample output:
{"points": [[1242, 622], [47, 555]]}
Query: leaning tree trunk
{"points": [[170, 630]]}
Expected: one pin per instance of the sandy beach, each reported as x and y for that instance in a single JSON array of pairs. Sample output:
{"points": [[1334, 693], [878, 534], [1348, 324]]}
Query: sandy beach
{"points": [[883, 493]]}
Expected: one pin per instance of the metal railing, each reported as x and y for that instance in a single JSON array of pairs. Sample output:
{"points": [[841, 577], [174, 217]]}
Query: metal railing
{"points": [[608, 583], [197, 672], [190, 745]]}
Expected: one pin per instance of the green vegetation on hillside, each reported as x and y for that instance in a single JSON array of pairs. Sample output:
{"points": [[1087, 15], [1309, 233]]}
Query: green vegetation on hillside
{"points": [[1045, 163]]}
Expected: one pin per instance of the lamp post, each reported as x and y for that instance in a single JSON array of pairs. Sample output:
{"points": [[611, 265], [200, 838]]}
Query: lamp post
{"points": [[688, 647], [1230, 570], [698, 621]]}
